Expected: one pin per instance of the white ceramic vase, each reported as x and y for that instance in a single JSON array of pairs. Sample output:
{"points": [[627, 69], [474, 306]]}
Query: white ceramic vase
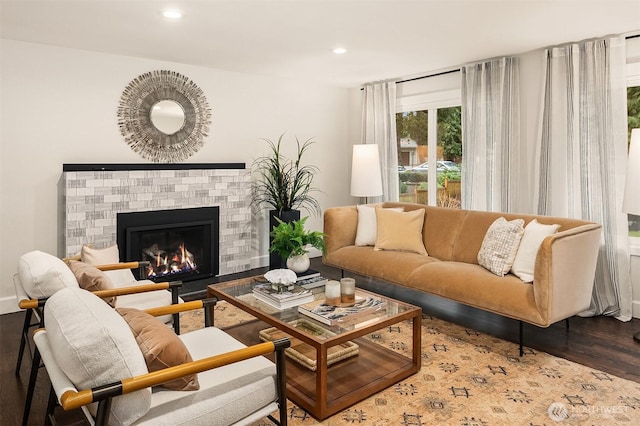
{"points": [[299, 263]]}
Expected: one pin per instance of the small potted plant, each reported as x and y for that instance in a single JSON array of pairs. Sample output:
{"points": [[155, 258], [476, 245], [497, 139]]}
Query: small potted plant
{"points": [[290, 241]]}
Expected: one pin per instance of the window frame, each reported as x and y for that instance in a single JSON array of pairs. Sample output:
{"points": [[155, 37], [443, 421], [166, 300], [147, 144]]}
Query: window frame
{"points": [[431, 102], [633, 80]]}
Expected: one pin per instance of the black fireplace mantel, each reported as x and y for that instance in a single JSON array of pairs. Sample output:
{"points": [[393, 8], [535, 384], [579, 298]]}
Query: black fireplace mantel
{"points": [[113, 167]]}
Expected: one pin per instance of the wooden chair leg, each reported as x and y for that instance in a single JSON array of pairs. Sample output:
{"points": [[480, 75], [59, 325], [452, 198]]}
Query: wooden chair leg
{"points": [[23, 338]]}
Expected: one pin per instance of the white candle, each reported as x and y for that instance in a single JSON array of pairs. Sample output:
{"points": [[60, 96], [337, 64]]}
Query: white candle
{"points": [[348, 290], [332, 292]]}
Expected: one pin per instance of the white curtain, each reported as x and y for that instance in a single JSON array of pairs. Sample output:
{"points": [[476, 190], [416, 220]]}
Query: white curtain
{"points": [[582, 161], [490, 135], [379, 127]]}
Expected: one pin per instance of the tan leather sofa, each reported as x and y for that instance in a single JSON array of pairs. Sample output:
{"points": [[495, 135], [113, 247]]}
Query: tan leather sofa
{"points": [[563, 275]]}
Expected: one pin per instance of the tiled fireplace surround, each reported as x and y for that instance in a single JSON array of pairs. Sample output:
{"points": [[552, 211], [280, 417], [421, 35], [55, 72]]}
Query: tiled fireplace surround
{"points": [[95, 193]]}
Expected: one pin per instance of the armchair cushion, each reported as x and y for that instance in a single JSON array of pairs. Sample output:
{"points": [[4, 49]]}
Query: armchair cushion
{"points": [[42, 274], [105, 256], [91, 278], [93, 346], [160, 346]]}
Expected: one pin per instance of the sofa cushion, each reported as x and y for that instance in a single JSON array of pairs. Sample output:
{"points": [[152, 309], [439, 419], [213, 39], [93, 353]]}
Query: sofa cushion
{"points": [[160, 346], [91, 278], [106, 256], [41, 274], [525, 259], [94, 346], [400, 230], [367, 231], [500, 245]]}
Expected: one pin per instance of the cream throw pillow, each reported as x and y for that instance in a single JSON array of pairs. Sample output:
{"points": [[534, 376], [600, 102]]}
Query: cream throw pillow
{"points": [[42, 274], [106, 256], [366, 232], [94, 346], [500, 245], [400, 231], [525, 260]]}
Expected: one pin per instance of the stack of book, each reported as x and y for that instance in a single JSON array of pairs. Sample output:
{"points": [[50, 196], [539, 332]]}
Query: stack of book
{"points": [[282, 299], [311, 279]]}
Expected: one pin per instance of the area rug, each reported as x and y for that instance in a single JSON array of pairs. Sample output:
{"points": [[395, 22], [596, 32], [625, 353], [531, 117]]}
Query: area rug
{"points": [[473, 379]]}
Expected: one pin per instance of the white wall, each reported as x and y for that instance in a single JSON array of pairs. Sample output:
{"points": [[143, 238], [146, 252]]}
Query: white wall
{"points": [[59, 106]]}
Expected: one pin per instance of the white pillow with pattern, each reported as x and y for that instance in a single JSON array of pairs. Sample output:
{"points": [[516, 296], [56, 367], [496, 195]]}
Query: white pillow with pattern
{"points": [[500, 245]]}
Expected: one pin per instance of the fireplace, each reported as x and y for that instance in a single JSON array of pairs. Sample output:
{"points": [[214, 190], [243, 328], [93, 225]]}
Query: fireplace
{"points": [[179, 244]]}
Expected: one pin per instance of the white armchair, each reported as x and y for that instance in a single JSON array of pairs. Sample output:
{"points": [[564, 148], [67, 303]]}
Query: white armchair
{"points": [[236, 384], [40, 275]]}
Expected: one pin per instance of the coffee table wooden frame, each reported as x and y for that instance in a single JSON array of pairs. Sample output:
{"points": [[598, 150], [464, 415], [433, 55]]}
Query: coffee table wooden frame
{"points": [[331, 389]]}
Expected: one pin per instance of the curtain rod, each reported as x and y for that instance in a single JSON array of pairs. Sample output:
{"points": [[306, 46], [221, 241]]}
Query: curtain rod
{"points": [[458, 69], [430, 75]]}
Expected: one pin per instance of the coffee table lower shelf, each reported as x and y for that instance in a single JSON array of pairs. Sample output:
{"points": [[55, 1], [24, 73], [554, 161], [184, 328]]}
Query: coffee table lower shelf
{"points": [[374, 368], [349, 381]]}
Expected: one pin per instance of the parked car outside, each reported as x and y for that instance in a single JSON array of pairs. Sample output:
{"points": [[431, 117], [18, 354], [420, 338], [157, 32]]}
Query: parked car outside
{"points": [[442, 165], [448, 165]]}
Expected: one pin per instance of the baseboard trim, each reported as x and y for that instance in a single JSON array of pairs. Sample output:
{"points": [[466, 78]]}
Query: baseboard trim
{"points": [[635, 309], [8, 305]]}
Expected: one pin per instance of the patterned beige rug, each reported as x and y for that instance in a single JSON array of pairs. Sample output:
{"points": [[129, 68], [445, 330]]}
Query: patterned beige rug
{"points": [[472, 379]]}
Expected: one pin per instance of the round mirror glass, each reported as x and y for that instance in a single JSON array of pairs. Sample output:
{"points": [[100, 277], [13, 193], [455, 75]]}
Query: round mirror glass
{"points": [[167, 116]]}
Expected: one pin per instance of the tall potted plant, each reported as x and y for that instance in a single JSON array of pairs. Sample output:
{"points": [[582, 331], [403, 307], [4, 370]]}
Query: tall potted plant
{"points": [[290, 241], [284, 185]]}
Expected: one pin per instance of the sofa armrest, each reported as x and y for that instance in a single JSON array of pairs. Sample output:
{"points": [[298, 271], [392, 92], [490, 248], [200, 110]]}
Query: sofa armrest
{"points": [[564, 272], [340, 225]]}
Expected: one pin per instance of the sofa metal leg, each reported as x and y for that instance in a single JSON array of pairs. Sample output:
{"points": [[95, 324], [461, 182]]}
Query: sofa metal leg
{"points": [[566, 323], [521, 337]]}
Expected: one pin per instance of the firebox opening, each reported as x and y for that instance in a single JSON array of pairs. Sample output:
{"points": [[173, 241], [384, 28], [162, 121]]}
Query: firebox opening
{"points": [[179, 244]]}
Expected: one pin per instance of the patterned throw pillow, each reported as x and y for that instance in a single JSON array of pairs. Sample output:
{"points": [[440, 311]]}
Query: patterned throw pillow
{"points": [[500, 245]]}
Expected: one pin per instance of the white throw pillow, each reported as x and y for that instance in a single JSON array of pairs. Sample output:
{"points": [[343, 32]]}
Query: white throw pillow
{"points": [[525, 261], [94, 346], [42, 274], [366, 232], [106, 256], [500, 245]]}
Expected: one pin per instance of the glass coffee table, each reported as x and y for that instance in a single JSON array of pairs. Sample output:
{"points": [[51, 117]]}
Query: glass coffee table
{"points": [[332, 366]]}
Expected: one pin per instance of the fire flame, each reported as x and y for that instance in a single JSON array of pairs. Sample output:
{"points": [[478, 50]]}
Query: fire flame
{"points": [[169, 263]]}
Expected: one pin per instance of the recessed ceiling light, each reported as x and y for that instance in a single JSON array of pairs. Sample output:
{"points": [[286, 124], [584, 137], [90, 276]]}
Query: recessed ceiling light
{"points": [[172, 14], [339, 50]]}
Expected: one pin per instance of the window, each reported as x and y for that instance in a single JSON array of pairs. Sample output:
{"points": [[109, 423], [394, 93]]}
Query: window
{"points": [[430, 174]]}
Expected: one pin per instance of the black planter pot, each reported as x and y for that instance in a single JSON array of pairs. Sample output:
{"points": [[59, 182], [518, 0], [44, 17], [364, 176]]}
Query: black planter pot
{"points": [[288, 216]]}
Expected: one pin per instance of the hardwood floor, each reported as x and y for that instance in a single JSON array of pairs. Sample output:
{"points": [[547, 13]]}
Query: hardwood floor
{"points": [[603, 343]]}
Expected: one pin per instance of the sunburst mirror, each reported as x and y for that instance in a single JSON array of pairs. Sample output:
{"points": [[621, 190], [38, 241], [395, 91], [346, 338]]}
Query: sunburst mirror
{"points": [[164, 116]]}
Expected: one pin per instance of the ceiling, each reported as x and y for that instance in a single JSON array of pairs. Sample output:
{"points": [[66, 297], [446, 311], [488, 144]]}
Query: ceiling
{"points": [[295, 39]]}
